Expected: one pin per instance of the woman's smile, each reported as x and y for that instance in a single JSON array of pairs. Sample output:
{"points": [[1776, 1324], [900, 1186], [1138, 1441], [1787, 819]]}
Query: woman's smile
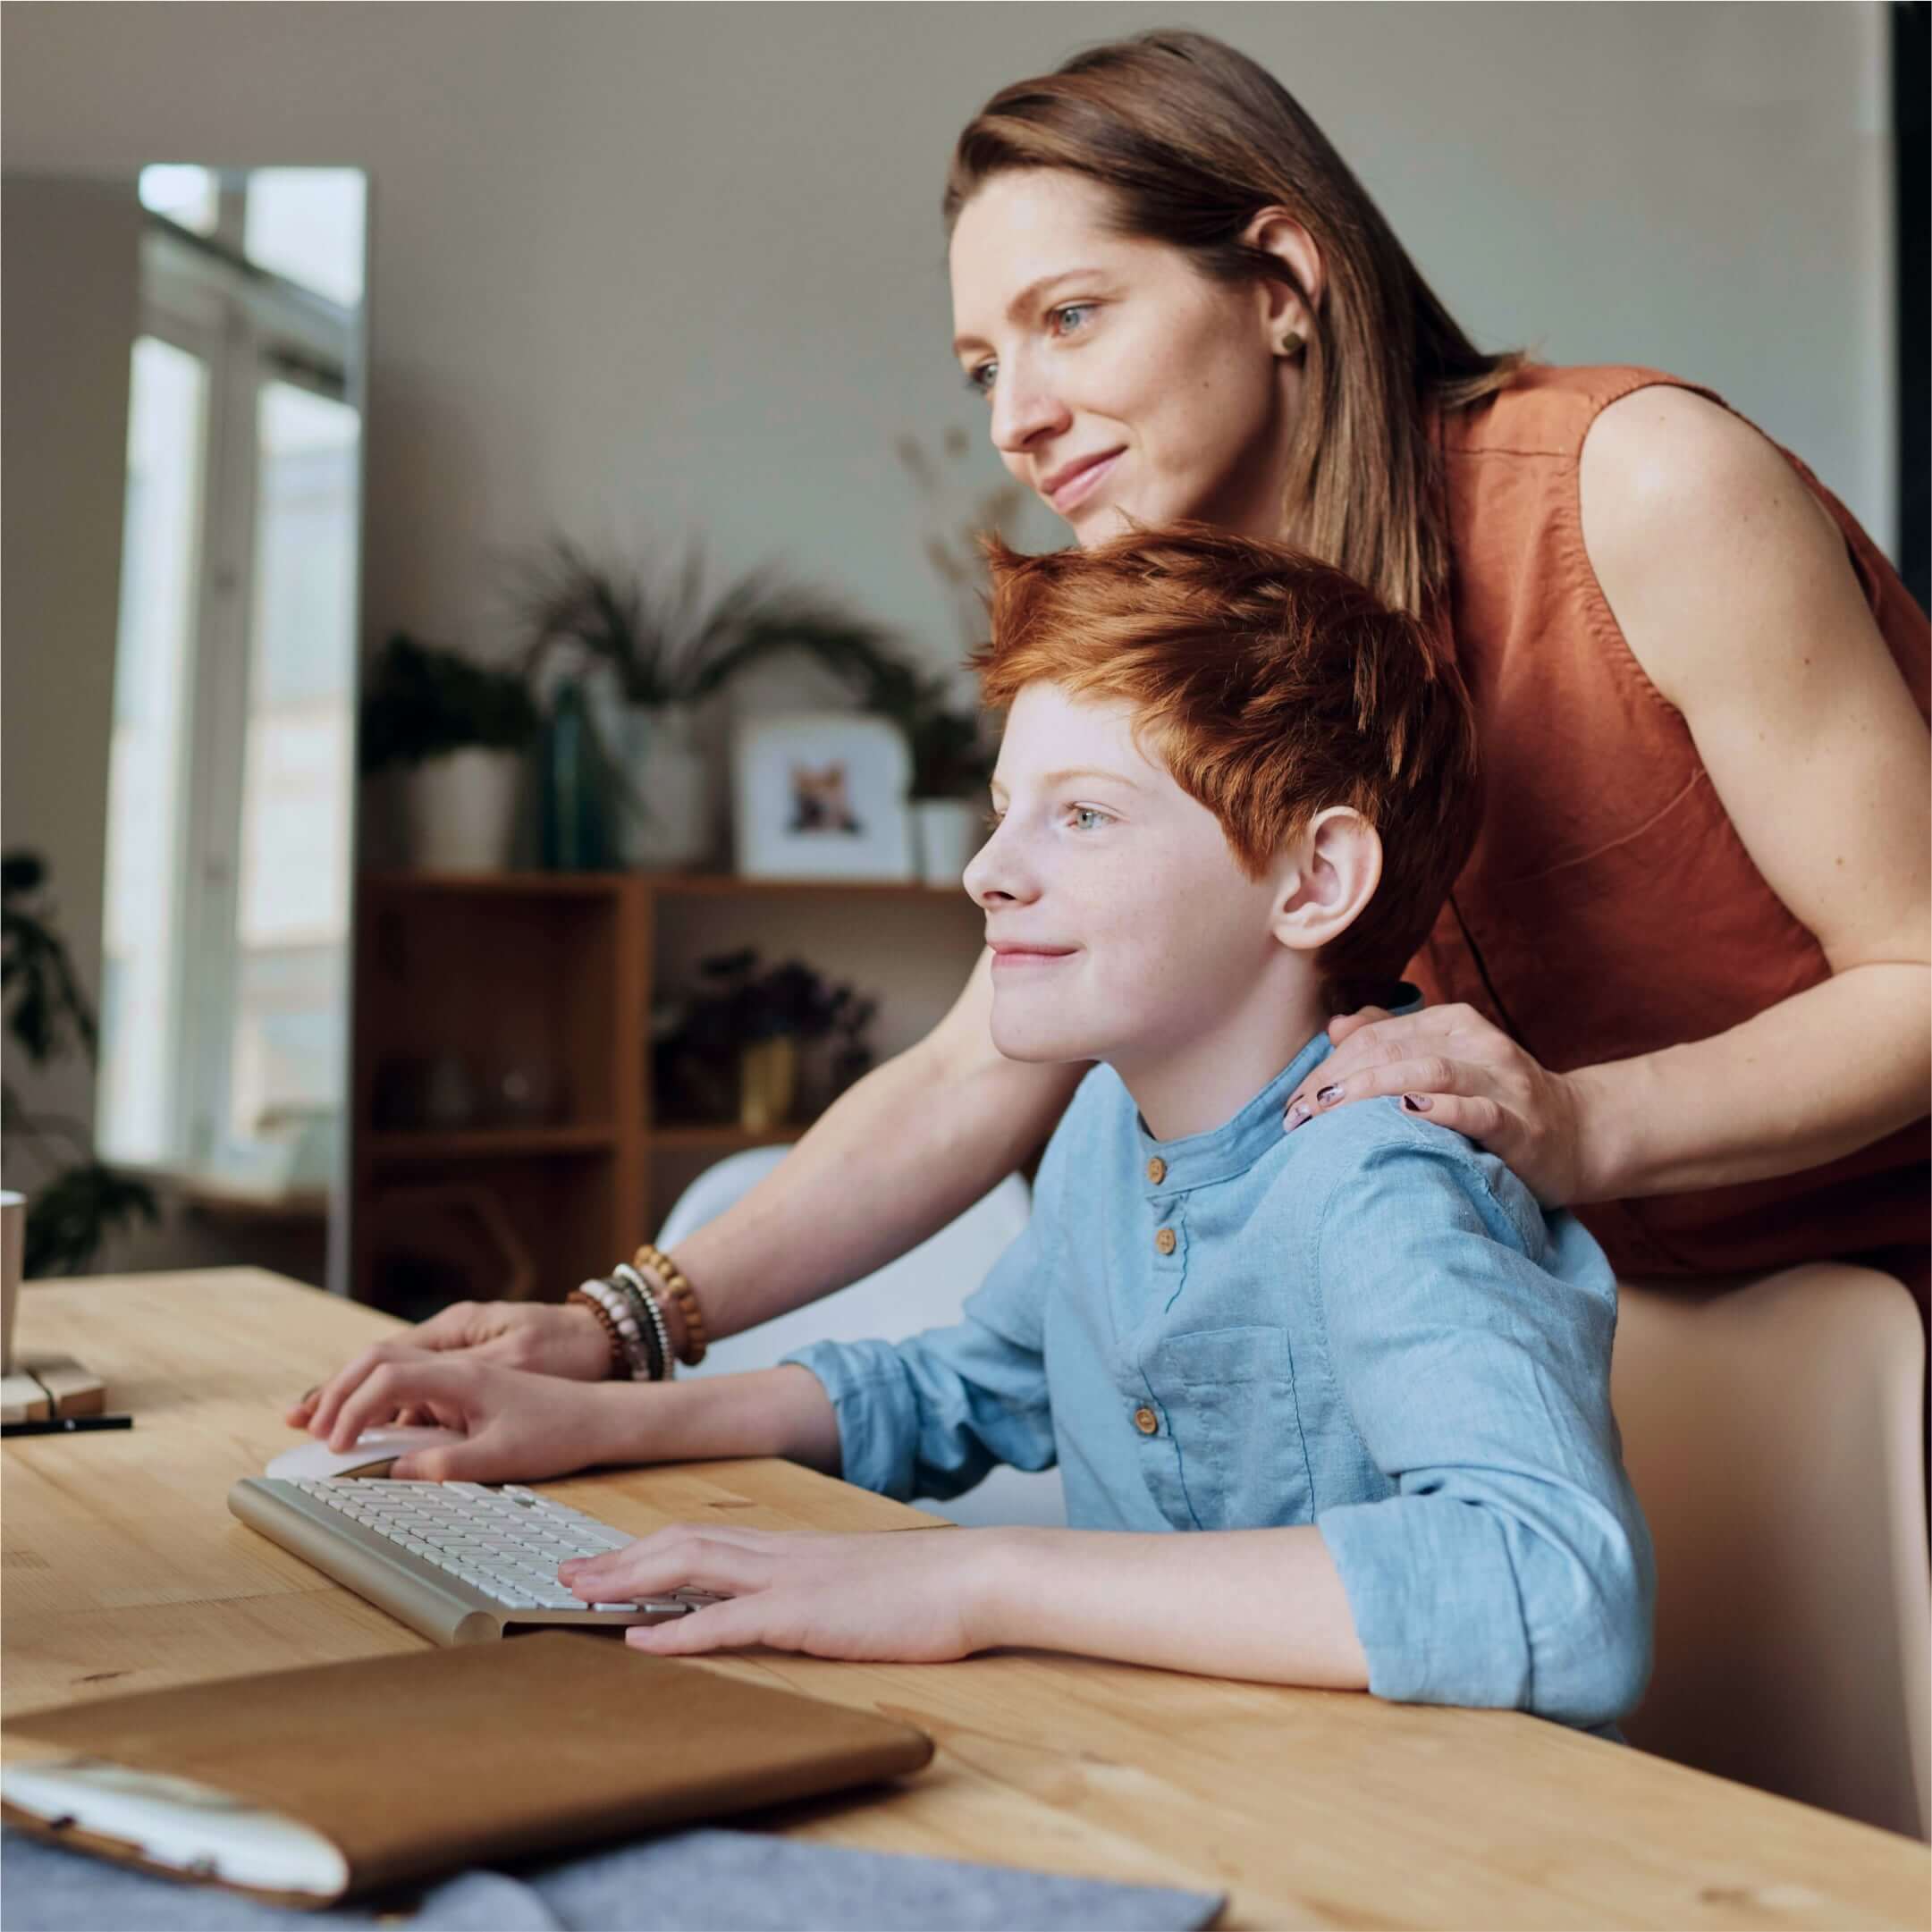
{"points": [[1074, 482]]}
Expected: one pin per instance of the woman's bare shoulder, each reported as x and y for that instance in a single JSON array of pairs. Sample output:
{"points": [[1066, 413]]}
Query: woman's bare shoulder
{"points": [[1684, 507]]}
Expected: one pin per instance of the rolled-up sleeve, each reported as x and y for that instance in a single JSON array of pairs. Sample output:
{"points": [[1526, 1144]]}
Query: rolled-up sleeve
{"points": [[930, 1416], [1512, 1567]]}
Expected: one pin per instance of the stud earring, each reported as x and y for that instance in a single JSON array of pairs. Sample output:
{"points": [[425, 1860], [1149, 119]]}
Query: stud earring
{"points": [[1292, 343]]}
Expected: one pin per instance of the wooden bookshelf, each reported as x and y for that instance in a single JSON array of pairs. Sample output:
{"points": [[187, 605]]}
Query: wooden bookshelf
{"points": [[559, 971]]}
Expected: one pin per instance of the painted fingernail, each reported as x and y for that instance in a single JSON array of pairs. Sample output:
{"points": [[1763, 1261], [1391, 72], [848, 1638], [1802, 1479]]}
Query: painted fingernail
{"points": [[1297, 1114], [1417, 1104], [1323, 1095]]}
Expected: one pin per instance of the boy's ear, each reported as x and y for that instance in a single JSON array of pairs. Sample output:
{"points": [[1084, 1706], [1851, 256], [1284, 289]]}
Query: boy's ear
{"points": [[1326, 877]]}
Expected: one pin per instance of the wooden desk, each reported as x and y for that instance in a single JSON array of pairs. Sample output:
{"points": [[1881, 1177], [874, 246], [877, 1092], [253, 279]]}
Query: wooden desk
{"points": [[124, 1571]]}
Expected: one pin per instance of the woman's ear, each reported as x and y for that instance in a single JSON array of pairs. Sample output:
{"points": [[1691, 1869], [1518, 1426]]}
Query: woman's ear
{"points": [[1328, 876], [1275, 231]]}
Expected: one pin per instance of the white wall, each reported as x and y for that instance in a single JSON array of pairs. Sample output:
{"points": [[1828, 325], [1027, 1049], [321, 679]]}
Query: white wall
{"points": [[69, 295], [652, 268]]}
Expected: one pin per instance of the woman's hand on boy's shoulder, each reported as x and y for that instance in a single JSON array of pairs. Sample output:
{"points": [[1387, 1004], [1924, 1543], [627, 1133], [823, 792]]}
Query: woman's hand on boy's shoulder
{"points": [[1451, 1065], [896, 1596]]}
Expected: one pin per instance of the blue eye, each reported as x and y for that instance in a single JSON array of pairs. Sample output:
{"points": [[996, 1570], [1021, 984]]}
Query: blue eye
{"points": [[1058, 316], [1088, 811], [979, 379]]}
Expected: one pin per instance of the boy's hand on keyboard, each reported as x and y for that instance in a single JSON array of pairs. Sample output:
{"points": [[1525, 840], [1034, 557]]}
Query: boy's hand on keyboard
{"points": [[898, 1596], [513, 1334], [520, 1426]]}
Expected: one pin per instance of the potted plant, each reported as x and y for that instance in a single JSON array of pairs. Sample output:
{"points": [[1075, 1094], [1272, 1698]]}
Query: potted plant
{"points": [[457, 730], [70, 1213], [737, 1045], [953, 764], [667, 649]]}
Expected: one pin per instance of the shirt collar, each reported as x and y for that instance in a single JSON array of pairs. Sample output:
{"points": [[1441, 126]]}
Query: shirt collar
{"points": [[1234, 1147]]}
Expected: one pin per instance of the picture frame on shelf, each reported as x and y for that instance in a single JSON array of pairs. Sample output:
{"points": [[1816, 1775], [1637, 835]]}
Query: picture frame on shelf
{"points": [[821, 795]]}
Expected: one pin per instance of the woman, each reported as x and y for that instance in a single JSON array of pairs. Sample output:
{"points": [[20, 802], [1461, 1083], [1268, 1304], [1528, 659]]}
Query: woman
{"points": [[1681, 984]]}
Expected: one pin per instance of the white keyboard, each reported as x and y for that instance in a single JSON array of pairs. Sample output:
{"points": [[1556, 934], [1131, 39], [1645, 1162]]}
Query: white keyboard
{"points": [[454, 1560]]}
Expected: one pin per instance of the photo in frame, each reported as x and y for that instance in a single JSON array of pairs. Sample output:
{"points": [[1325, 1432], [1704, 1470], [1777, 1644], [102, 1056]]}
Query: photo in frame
{"points": [[821, 795]]}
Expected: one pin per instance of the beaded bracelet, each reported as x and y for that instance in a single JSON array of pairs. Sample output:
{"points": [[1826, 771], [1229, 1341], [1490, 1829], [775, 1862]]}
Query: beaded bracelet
{"points": [[608, 1323], [645, 1305], [681, 1292], [630, 1334]]}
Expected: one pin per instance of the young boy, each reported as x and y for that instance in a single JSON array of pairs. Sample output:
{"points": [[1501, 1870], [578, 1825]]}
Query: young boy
{"points": [[1357, 1360]]}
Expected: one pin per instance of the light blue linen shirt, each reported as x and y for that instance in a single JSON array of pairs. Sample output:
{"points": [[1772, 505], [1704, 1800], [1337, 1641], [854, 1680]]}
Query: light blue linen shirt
{"points": [[1368, 1324]]}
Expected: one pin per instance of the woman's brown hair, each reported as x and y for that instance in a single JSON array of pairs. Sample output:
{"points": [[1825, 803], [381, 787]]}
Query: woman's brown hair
{"points": [[1192, 139], [1271, 685]]}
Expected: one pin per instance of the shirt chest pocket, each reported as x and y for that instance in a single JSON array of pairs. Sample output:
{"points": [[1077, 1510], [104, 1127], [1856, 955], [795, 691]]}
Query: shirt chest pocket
{"points": [[1230, 1424]]}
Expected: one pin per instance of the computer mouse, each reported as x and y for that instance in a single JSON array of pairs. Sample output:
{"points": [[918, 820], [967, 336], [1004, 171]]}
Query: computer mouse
{"points": [[370, 1454]]}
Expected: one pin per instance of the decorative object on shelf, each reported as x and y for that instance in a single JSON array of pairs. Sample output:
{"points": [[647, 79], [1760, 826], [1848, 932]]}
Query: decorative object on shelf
{"points": [[768, 1082], [821, 795], [578, 788], [666, 822], [743, 1049], [83, 1199], [459, 730], [526, 1090]]}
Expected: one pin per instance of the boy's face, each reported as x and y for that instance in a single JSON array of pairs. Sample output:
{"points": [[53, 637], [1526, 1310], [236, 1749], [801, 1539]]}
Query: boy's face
{"points": [[1122, 927]]}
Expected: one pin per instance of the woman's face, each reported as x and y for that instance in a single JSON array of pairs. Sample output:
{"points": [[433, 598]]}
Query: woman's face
{"points": [[1122, 383]]}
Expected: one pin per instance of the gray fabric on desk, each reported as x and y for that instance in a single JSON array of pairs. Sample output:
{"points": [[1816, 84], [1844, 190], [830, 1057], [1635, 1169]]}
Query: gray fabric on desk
{"points": [[693, 1881]]}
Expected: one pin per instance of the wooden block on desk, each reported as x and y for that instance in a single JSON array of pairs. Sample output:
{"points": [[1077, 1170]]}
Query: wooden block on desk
{"points": [[73, 1389], [24, 1400]]}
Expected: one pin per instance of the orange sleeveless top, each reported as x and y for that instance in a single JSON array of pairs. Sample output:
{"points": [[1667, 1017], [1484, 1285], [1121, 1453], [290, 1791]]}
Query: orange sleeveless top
{"points": [[1609, 908]]}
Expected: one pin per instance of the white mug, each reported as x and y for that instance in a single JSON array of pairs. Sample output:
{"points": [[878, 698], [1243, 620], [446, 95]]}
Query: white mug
{"points": [[12, 1236]]}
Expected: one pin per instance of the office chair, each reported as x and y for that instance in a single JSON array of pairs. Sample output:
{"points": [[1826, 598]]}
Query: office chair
{"points": [[921, 1290], [1774, 1435]]}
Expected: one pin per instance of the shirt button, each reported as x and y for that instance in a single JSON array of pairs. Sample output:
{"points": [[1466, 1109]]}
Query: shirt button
{"points": [[1146, 1422], [1157, 1170], [1167, 1241]]}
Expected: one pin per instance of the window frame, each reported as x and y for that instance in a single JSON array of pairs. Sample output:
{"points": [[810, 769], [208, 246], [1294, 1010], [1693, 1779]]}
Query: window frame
{"points": [[249, 328]]}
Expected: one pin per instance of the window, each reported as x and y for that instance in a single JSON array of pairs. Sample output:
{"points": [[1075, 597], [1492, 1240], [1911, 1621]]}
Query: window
{"points": [[224, 995]]}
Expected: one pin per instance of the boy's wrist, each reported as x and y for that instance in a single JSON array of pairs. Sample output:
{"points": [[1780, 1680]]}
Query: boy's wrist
{"points": [[998, 1587], [620, 1422]]}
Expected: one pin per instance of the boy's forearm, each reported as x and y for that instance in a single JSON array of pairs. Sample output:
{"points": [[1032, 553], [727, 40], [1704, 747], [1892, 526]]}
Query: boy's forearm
{"points": [[1263, 1605], [768, 1411]]}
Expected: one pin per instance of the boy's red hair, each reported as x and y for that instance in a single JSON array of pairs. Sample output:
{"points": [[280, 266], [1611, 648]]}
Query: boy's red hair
{"points": [[1271, 687]]}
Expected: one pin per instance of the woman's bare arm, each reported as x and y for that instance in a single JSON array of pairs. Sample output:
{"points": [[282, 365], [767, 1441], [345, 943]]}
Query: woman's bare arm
{"points": [[1733, 590], [914, 1143]]}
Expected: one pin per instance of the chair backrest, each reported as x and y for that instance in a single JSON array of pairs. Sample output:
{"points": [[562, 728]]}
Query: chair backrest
{"points": [[1774, 1434], [922, 1289]]}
